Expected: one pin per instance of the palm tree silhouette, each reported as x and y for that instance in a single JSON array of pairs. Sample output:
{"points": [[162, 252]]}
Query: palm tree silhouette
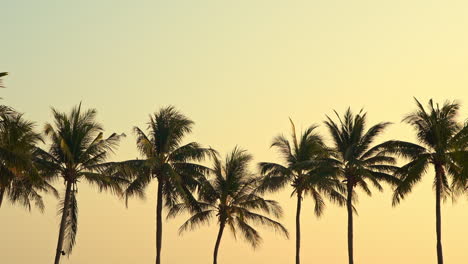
{"points": [[20, 179], [357, 161], [231, 197], [307, 169], [167, 161], [443, 144], [77, 148]]}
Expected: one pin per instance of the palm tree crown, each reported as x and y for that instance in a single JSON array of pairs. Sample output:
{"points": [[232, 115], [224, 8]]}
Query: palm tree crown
{"points": [[20, 180], [231, 196], [444, 143], [354, 155]]}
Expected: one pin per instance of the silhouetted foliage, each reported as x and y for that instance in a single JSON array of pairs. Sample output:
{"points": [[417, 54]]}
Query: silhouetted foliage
{"points": [[77, 149], [443, 145], [307, 169], [357, 162], [20, 180], [231, 196], [166, 160]]}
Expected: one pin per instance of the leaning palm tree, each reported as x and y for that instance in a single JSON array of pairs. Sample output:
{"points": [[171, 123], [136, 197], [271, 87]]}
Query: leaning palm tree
{"points": [[20, 180], [443, 145], [357, 161], [167, 161], [231, 196], [307, 169], [77, 148]]}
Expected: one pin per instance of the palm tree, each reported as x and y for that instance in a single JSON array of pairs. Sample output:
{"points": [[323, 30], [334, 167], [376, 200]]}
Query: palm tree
{"points": [[443, 145], [166, 160], [306, 169], [20, 180], [77, 148], [231, 197], [357, 161]]}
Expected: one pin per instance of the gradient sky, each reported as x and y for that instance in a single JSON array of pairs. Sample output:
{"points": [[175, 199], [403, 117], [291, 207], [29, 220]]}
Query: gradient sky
{"points": [[239, 69]]}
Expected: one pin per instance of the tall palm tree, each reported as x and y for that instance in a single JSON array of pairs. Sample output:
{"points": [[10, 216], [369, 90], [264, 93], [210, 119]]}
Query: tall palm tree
{"points": [[357, 161], [166, 160], [231, 196], [20, 180], [307, 170], [443, 145], [77, 148]]}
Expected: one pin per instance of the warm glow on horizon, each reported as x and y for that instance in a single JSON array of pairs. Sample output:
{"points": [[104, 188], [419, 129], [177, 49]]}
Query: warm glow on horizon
{"points": [[239, 70]]}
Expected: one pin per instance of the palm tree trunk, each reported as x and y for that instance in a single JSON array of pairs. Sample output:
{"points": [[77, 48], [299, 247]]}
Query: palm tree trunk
{"points": [[349, 206], [159, 203], [218, 242], [66, 205], [298, 227], [2, 193], [439, 173]]}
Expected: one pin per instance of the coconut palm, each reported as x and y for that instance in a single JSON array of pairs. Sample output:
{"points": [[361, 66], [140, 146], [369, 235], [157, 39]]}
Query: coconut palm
{"points": [[306, 169], [20, 180], [77, 147], [357, 162], [443, 145], [166, 160], [231, 197]]}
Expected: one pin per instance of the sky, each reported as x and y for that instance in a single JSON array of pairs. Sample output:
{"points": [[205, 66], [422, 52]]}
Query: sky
{"points": [[238, 69]]}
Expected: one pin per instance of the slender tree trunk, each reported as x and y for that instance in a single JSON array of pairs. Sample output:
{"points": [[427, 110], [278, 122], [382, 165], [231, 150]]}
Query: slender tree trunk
{"points": [[349, 206], [2, 193], [439, 173], [218, 242], [159, 204], [65, 212], [298, 227]]}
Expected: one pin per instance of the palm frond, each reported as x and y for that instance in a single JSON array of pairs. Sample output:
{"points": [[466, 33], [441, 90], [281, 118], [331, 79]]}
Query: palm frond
{"points": [[248, 233], [196, 220], [409, 174]]}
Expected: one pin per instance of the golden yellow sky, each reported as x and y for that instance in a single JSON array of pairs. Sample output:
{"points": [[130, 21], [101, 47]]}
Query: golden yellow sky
{"points": [[239, 69]]}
